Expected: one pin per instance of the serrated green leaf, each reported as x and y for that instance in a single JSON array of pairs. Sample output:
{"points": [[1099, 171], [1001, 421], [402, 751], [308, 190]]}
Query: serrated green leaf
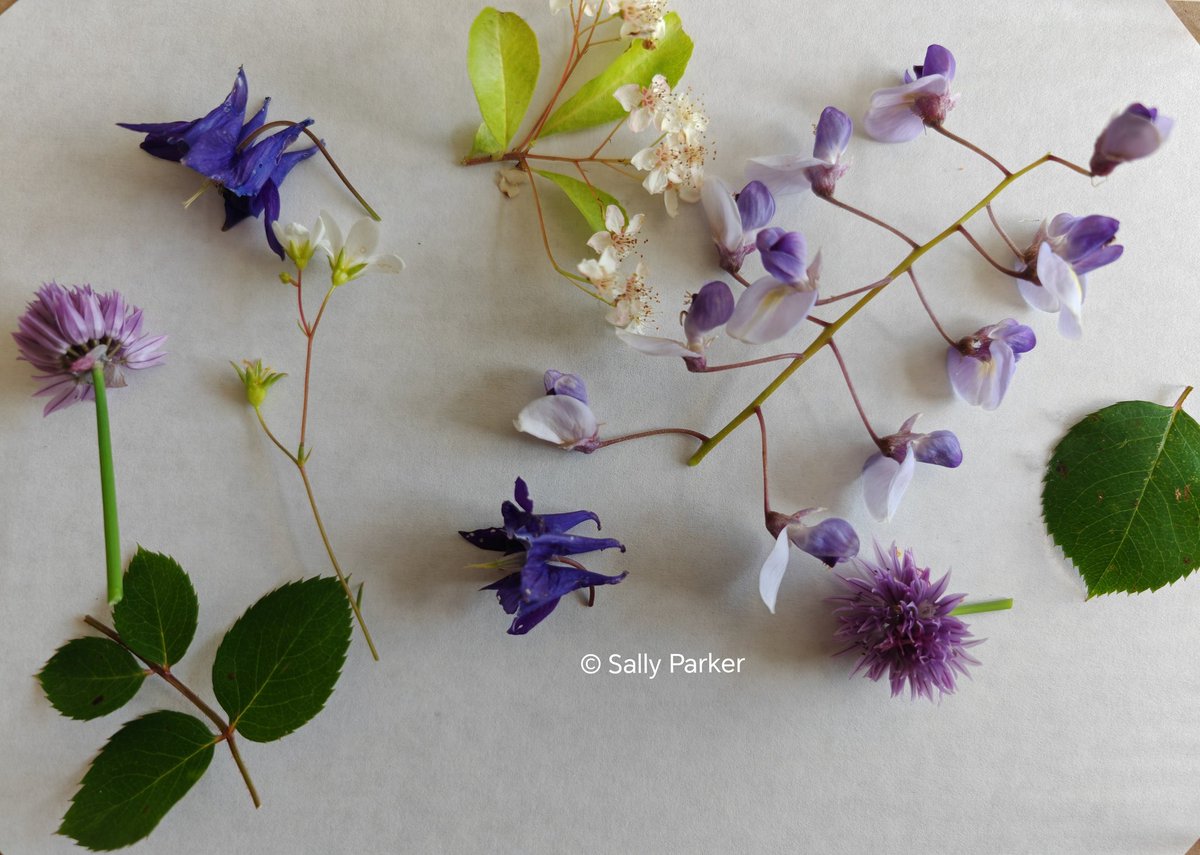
{"points": [[503, 63], [594, 103], [590, 200], [90, 677], [157, 616], [278, 664], [485, 143], [1122, 497], [148, 765]]}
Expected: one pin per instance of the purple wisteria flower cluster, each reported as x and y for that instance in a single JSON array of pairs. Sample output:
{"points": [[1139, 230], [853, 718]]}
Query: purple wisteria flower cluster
{"points": [[901, 621], [540, 545]]}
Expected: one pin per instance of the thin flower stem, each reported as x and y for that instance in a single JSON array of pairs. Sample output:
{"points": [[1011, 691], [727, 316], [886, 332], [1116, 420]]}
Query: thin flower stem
{"points": [[740, 278], [608, 138], [575, 280], [828, 333], [574, 56], [950, 135], [632, 176], [1003, 234], [870, 219], [1082, 170], [656, 432], [762, 430], [108, 488], [321, 148], [988, 258], [225, 730], [761, 360], [308, 352], [985, 606], [337, 568], [262, 421], [862, 414], [929, 309], [878, 284]]}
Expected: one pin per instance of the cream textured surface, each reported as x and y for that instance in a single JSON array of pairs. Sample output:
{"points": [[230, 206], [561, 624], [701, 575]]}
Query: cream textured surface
{"points": [[1081, 731]]}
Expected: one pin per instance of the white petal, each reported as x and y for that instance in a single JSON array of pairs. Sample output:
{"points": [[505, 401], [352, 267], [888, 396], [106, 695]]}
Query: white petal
{"points": [[614, 220], [654, 345], [768, 310], [600, 241], [560, 419], [893, 123], [645, 159], [724, 218], [1059, 279], [363, 238], [389, 263], [333, 233], [1037, 296], [671, 201], [884, 483], [782, 173], [629, 95], [771, 574]]}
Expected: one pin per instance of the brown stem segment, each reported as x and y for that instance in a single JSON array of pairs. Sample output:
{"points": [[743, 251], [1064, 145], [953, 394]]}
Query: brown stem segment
{"points": [[1182, 398], [970, 145], [987, 257], [762, 430], [321, 148], [862, 414], [1003, 234], [656, 432], [929, 309], [870, 219], [225, 730]]}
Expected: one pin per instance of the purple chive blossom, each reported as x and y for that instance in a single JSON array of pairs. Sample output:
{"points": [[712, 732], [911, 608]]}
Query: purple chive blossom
{"points": [[65, 332], [887, 474], [710, 308], [900, 113], [1133, 134], [830, 540], [771, 308], [793, 173], [1063, 250], [732, 219], [981, 365], [249, 177], [538, 544], [562, 416], [898, 620]]}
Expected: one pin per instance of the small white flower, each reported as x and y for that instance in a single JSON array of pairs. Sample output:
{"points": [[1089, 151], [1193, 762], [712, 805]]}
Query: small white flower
{"points": [[643, 19], [352, 258], [634, 305], [620, 237], [510, 181], [299, 243], [684, 117], [602, 272], [645, 105]]}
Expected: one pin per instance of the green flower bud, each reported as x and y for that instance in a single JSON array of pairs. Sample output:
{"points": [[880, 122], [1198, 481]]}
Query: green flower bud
{"points": [[257, 379]]}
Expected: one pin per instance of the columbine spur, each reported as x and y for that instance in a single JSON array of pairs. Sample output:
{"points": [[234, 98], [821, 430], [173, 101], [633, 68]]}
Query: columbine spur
{"points": [[65, 332], [900, 623], [539, 545]]}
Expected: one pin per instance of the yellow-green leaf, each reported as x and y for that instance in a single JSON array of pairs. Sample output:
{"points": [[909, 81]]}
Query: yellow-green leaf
{"points": [[503, 63], [588, 199], [594, 103]]}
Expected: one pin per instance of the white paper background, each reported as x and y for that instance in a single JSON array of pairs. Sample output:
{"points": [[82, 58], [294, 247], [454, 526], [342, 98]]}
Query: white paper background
{"points": [[1081, 731]]}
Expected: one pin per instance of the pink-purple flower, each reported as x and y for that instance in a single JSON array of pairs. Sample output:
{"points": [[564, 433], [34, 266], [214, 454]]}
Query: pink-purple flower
{"points": [[794, 173], [1135, 133], [709, 309], [1063, 250], [776, 304], [899, 621], [65, 332], [982, 364], [831, 540], [887, 473], [900, 113], [733, 219], [562, 416], [540, 544]]}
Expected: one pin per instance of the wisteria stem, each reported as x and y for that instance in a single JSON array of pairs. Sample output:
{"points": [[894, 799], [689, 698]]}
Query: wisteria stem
{"points": [[950, 135], [985, 606], [760, 361], [225, 730], [647, 433], [929, 309], [836, 297], [986, 256], [108, 488], [762, 430], [862, 414], [321, 148], [827, 334], [870, 219], [1003, 234]]}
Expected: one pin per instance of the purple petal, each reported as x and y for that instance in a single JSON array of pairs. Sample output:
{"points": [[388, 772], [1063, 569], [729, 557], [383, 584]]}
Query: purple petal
{"points": [[1133, 134], [940, 448], [830, 540], [493, 539], [711, 307], [783, 254], [833, 135], [938, 60], [756, 206], [521, 494], [768, 310], [1017, 336], [560, 383], [783, 174], [892, 116]]}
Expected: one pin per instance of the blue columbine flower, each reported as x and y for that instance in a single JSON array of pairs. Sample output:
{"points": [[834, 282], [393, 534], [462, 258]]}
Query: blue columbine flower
{"points": [[249, 177], [541, 543]]}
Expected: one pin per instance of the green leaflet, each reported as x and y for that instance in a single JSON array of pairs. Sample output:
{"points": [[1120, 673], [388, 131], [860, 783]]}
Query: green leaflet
{"points": [[278, 663], [590, 202], [90, 677], [503, 63], [1122, 497], [594, 103], [485, 143], [157, 616], [146, 767]]}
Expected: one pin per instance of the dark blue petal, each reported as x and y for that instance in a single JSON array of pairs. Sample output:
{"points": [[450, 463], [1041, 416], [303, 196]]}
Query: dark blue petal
{"points": [[521, 494], [530, 616], [711, 308], [556, 543], [215, 134], [237, 208], [938, 60], [508, 592], [256, 121], [267, 201], [557, 523], [494, 539], [255, 165], [756, 206], [783, 254]]}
